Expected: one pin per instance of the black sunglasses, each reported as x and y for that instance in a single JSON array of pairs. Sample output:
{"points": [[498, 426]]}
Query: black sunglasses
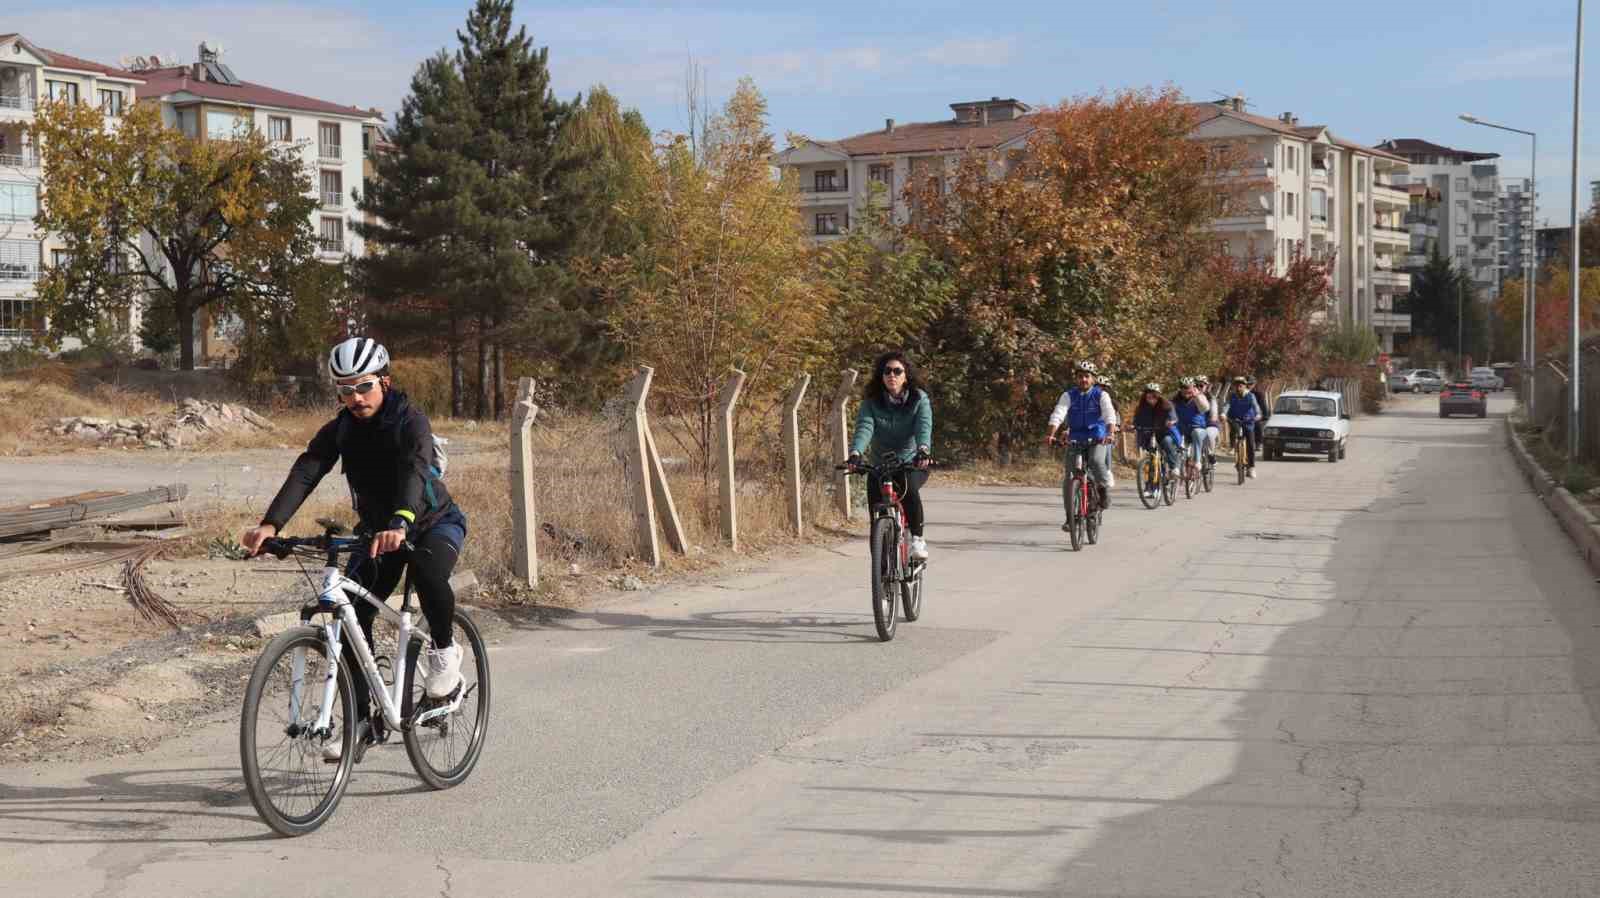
{"points": [[363, 388], [897, 372]]}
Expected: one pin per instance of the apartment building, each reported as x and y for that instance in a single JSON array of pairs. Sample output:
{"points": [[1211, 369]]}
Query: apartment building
{"points": [[1303, 189], [838, 178], [1467, 215], [31, 75], [1515, 250]]}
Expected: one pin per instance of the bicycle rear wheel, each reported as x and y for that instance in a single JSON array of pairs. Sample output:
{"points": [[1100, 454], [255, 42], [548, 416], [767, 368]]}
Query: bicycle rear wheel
{"points": [[293, 789], [1169, 486], [445, 749], [911, 591], [1208, 476], [1145, 479], [1091, 523], [1188, 483], [885, 558]]}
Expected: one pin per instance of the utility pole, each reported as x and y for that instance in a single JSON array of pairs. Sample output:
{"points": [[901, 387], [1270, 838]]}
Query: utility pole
{"points": [[1574, 419]]}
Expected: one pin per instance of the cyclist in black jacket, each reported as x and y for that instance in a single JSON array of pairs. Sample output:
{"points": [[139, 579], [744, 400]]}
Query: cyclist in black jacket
{"points": [[1261, 400], [391, 464]]}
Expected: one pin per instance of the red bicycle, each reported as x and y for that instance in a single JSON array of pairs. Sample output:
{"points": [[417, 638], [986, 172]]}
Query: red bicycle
{"points": [[895, 574], [1084, 514]]}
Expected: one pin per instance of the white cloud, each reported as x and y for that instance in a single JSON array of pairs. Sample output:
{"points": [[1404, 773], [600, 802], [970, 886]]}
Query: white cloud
{"points": [[977, 52], [1551, 61]]}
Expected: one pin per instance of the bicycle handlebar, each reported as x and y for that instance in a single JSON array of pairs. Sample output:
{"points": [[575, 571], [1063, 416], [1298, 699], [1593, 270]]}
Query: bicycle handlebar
{"points": [[886, 467], [282, 547]]}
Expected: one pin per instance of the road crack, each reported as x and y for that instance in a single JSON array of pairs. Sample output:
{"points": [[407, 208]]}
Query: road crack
{"points": [[438, 864]]}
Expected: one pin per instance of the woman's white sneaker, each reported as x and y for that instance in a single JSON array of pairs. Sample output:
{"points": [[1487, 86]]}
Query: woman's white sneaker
{"points": [[444, 671]]}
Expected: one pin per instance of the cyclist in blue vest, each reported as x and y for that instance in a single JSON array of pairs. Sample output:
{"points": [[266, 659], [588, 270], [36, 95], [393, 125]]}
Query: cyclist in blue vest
{"points": [[1193, 411], [1092, 419], [1243, 413]]}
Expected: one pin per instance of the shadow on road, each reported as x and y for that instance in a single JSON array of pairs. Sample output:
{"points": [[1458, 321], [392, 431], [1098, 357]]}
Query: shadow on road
{"points": [[750, 625]]}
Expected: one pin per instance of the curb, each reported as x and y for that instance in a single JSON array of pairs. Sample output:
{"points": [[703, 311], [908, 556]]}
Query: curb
{"points": [[1581, 524]]}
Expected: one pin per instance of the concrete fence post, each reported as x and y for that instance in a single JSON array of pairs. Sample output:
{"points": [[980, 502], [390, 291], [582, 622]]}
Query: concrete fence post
{"points": [[727, 480], [637, 449], [525, 523], [791, 449], [839, 436]]}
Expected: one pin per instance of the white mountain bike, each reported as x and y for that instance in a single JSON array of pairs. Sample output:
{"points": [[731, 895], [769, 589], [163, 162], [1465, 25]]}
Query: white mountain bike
{"points": [[302, 699]]}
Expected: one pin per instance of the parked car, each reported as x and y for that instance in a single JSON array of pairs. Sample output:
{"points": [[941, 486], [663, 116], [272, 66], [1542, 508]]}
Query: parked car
{"points": [[1462, 398], [1485, 379], [1307, 422], [1417, 380]]}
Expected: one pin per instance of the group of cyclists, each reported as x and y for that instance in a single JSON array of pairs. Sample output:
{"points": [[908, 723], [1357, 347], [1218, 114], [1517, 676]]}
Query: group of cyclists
{"points": [[389, 457]]}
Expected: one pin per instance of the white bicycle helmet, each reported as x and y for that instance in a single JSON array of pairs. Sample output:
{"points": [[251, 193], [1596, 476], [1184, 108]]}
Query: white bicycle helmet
{"points": [[357, 357], [1085, 365], [1152, 387], [1186, 382]]}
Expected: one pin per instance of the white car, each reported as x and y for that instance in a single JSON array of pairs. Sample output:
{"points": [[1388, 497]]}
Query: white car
{"points": [[1486, 379], [1307, 422]]}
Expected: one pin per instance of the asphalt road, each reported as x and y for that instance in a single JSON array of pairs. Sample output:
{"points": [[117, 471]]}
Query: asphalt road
{"points": [[1380, 677]]}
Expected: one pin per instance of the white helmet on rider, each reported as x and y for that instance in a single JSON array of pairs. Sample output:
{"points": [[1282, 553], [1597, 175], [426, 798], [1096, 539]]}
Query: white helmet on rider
{"points": [[1084, 366], [357, 357]]}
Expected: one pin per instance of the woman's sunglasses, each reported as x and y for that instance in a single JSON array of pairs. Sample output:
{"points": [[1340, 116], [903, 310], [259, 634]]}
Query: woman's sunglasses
{"points": [[897, 372], [363, 388]]}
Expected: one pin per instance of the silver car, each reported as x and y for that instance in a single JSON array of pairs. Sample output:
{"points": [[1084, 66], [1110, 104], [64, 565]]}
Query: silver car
{"points": [[1485, 379], [1417, 380]]}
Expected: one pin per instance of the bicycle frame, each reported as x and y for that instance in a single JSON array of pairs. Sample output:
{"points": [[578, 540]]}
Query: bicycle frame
{"points": [[335, 596]]}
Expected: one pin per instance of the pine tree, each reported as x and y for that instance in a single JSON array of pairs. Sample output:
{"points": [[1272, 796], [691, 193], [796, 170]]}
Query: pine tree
{"points": [[419, 268], [516, 229], [1437, 291]]}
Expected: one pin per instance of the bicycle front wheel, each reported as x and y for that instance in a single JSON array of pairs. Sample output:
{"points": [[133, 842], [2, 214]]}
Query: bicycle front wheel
{"points": [[1208, 477], [1145, 480], [1188, 484], [885, 560], [1075, 515], [445, 749], [1169, 486], [280, 750]]}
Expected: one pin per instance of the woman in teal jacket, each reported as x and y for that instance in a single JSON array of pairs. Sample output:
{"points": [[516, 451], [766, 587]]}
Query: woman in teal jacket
{"points": [[897, 417]]}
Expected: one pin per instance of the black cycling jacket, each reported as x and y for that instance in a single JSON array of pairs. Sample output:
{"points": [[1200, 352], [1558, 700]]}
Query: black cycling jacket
{"points": [[388, 461]]}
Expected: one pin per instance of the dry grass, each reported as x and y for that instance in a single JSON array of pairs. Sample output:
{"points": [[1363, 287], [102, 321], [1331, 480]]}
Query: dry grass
{"points": [[55, 391]]}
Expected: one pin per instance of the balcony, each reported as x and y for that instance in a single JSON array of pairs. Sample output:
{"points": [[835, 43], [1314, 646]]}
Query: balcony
{"points": [[13, 273], [1397, 322], [828, 192], [330, 246], [26, 159], [1245, 224], [332, 199], [15, 103], [1386, 194], [1388, 280], [1392, 234], [330, 152], [1484, 185]]}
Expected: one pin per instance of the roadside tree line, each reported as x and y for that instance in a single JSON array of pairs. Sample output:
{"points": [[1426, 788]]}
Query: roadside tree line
{"points": [[511, 233]]}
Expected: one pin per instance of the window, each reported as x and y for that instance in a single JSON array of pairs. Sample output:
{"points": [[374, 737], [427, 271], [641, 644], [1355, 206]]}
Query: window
{"points": [[19, 260], [1319, 206], [59, 258], [279, 129], [330, 237], [1461, 252], [827, 223], [1461, 207], [224, 124], [883, 174], [1288, 204], [1361, 176], [825, 182], [1461, 184], [62, 90], [1361, 218], [1288, 158], [111, 102], [333, 189], [187, 121], [328, 140], [1461, 229], [18, 202]]}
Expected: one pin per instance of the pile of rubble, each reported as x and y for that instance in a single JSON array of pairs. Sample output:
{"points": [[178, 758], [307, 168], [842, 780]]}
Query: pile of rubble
{"points": [[184, 424]]}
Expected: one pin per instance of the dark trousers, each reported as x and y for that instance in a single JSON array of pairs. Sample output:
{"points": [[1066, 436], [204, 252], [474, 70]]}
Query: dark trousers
{"points": [[431, 562], [909, 485]]}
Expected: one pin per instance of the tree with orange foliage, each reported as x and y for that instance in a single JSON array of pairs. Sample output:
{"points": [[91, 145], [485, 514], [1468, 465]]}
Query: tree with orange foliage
{"points": [[1090, 244]]}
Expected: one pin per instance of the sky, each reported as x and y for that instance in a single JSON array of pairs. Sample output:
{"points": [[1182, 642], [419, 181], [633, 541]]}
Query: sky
{"points": [[1369, 70]]}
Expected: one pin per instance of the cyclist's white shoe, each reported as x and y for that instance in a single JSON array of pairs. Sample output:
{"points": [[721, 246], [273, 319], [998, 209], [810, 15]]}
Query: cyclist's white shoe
{"points": [[919, 548], [333, 749], [444, 671], [1250, 473]]}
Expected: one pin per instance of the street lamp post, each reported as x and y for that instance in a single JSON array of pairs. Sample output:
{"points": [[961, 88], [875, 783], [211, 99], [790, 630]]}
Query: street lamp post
{"points": [[1530, 348], [1574, 422]]}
